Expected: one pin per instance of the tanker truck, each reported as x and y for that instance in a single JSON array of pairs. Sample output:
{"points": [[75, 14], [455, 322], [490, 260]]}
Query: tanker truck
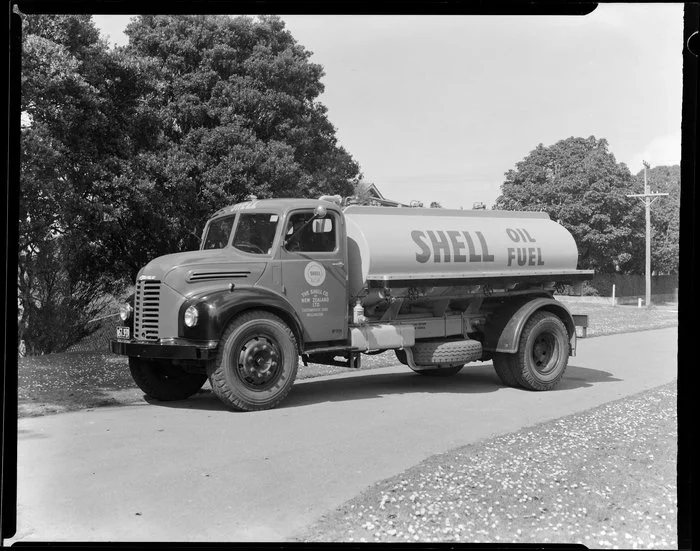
{"points": [[276, 281]]}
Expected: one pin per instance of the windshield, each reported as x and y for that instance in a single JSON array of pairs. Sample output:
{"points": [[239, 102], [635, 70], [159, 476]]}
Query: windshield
{"points": [[218, 233], [255, 232]]}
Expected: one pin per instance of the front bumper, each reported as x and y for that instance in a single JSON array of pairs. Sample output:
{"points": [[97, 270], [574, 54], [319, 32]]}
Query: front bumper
{"points": [[180, 349]]}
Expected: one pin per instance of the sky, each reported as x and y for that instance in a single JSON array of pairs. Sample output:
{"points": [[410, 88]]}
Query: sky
{"points": [[438, 108]]}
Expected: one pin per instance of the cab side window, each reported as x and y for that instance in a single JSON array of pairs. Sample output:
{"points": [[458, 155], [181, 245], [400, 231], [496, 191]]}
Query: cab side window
{"points": [[305, 234]]}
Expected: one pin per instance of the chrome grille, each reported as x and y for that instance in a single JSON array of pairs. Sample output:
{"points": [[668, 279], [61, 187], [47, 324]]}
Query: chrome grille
{"points": [[146, 309]]}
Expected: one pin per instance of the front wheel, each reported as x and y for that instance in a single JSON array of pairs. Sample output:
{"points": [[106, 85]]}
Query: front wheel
{"points": [[543, 353], [162, 380], [256, 364]]}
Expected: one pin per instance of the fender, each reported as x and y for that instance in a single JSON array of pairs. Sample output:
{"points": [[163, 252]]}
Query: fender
{"points": [[503, 330], [218, 308]]}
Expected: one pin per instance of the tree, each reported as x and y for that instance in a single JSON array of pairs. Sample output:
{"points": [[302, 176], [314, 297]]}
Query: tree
{"points": [[231, 109], [57, 304], [665, 216], [70, 142], [125, 153], [578, 183]]}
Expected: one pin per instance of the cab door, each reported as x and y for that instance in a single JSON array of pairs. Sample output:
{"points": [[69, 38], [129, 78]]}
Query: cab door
{"points": [[314, 273]]}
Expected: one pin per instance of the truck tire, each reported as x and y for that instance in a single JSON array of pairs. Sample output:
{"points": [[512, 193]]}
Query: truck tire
{"points": [[446, 357], [446, 353], [256, 363], [503, 364], [437, 372], [543, 352], [164, 381]]}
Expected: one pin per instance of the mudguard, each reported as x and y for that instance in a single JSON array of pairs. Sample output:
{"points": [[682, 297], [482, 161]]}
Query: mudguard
{"points": [[217, 309], [502, 333]]}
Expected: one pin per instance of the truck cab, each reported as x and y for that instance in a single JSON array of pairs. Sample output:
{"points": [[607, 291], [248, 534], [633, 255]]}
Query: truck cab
{"points": [[288, 254], [300, 250]]}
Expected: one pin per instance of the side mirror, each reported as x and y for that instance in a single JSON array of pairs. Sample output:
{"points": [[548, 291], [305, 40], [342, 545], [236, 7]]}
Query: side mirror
{"points": [[320, 212]]}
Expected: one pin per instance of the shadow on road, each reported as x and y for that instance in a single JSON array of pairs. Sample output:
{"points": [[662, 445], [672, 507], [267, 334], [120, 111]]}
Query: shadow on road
{"points": [[204, 400], [582, 377], [475, 380]]}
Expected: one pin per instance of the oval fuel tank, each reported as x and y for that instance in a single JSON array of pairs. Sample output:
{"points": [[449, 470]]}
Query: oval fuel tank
{"points": [[387, 243]]}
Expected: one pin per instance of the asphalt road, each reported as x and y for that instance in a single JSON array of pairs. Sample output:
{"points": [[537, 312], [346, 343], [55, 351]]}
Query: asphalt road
{"points": [[192, 471]]}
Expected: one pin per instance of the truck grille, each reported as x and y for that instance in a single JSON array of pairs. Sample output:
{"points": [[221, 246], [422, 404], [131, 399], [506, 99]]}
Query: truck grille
{"points": [[146, 309]]}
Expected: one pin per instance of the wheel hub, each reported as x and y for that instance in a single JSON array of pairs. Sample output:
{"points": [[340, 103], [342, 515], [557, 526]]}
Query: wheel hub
{"points": [[543, 352], [258, 361]]}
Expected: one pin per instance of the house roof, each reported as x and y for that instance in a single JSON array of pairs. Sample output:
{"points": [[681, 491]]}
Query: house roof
{"points": [[370, 189]]}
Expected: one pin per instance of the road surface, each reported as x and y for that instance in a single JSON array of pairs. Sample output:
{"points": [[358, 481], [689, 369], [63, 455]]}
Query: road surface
{"points": [[192, 471]]}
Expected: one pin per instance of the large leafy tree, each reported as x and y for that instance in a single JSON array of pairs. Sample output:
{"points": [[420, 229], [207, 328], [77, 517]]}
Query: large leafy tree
{"points": [[578, 183], [665, 216], [71, 140], [126, 152], [229, 108]]}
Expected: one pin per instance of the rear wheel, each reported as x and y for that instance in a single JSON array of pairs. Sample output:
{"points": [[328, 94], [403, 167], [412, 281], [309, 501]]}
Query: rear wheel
{"points": [[162, 380], [505, 368], [256, 364], [543, 352]]}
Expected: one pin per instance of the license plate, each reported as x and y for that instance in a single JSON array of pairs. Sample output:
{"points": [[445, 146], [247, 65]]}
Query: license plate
{"points": [[123, 332]]}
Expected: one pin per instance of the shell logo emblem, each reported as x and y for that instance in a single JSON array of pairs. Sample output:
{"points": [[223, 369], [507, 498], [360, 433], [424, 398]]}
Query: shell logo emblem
{"points": [[315, 274]]}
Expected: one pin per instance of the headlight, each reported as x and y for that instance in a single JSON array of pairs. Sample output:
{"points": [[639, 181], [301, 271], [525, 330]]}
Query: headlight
{"points": [[191, 316], [125, 311]]}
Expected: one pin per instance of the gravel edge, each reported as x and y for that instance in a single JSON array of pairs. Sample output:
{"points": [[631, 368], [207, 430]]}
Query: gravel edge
{"points": [[605, 478]]}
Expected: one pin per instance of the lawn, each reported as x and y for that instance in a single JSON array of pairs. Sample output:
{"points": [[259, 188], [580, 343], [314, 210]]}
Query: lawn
{"points": [[608, 320], [77, 380]]}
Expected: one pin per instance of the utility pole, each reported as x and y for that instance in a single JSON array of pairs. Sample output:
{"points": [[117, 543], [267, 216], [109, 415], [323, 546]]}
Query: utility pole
{"points": [[647, 198]]}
